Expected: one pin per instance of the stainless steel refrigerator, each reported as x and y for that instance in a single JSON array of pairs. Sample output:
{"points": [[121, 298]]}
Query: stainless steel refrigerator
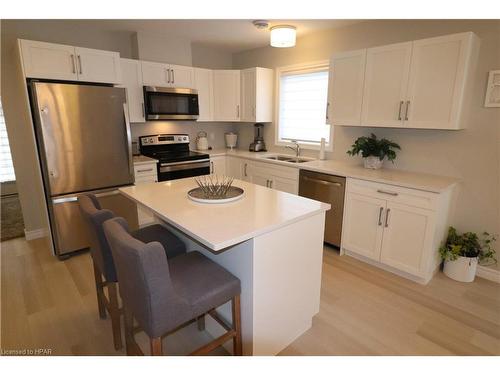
{"points": [[84, 145]]}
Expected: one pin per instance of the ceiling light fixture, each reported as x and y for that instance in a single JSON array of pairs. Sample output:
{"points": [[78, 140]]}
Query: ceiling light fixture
{"points": [[261, 24], [283, 36]]}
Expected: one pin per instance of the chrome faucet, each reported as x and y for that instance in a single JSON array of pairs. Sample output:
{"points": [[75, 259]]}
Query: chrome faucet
{"points": [[296, 148]]}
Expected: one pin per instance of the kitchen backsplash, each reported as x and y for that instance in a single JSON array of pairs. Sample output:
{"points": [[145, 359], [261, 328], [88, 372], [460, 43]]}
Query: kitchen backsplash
{"points": [[215, 131]]}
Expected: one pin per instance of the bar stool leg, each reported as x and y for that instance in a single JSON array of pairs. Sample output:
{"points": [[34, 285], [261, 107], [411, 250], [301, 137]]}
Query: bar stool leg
{"points": [[114, 312], [99, 291], [201, 322], [236, 309], [156, 348]]}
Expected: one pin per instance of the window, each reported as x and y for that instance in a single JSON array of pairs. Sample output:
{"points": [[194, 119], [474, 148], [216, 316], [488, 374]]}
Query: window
{"points": [[6, 167], [303, 93]]}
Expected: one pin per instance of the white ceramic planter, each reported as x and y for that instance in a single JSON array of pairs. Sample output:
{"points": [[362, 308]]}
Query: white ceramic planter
{"points": [[373, 162], [463, 269]]}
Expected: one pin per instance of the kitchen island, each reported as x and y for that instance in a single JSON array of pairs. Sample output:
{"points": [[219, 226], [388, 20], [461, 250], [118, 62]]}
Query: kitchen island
{"points": [[271, 240]]}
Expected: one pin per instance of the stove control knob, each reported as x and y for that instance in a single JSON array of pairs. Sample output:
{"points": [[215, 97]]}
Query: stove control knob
{"points": [[184, 138]]}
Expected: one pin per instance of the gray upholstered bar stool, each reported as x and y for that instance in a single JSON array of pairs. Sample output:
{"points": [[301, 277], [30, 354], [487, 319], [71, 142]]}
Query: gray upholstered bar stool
{"points": [[104, 267], [164, 295]]}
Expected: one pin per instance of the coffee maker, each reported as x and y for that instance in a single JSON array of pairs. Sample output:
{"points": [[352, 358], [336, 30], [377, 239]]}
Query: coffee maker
{"points": [[258, 143]]}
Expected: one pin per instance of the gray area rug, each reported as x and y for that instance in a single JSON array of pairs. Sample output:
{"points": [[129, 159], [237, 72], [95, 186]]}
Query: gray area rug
{"points": [[12, 225]]}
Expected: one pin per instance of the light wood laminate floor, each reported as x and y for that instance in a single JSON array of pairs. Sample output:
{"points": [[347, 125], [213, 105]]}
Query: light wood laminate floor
{"points": [[46, 303]]}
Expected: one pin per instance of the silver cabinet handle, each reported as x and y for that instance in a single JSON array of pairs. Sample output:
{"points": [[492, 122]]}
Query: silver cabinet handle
{"points": [[387, 217], [400, 106], [327, 108], [145, 170], [407, 109], [271, 184], [73, 63], [173, 76], [80, 64], [380, 216], [238, 111], [211, 167], [143, 111], [387, 192], [245, 170], [168, 75]]}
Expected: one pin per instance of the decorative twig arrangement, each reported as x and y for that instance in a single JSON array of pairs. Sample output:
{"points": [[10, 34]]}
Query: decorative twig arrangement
{"points": [[213, 186]]}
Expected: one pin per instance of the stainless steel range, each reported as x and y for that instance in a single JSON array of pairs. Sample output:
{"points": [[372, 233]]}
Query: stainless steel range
{"points": [[175, 159]]}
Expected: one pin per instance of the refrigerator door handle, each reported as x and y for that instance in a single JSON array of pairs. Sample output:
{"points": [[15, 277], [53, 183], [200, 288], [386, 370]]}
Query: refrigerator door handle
{"points": [[64, 200], [129, 140]]}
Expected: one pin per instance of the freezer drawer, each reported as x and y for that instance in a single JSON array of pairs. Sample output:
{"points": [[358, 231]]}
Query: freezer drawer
{"points": [[69, 230], [328, 189]]}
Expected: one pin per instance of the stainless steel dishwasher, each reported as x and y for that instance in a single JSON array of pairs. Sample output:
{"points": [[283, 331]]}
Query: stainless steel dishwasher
{"points": [[328, 189]]}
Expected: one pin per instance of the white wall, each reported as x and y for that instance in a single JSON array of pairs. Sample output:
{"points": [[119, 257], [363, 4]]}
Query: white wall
{"points": [[472, 154], [150, 47]]}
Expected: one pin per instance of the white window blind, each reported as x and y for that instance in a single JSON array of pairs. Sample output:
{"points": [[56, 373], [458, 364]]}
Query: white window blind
{"points": [[302, 106], [6, 167]]}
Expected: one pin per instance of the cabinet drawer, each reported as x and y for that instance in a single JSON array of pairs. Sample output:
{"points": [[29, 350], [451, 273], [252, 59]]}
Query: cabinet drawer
{"points": [[145, 170], [145, 179], [391, 193], [278, 171]]}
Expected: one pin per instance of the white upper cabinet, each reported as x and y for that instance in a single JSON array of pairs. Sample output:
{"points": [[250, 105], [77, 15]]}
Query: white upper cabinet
{"points": [[132, 81], [257, 95], [345, 88], [226, 95], [57, 61], [181, 76], [167, 75], [155, 74], [386, 81], [48, 60], [98, 66], [203, 79], [438, 75], [419, 84]]}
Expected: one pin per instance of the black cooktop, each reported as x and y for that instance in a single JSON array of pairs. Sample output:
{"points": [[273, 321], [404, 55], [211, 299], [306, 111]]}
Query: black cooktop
{"points": [[171, 157]]}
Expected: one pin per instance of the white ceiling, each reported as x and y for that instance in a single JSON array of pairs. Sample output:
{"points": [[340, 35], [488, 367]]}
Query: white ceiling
{"points": [[231, 35]]}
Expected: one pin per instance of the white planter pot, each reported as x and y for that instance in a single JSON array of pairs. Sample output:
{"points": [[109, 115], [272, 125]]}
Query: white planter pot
{"points": [[373, 162], [463, 269]]}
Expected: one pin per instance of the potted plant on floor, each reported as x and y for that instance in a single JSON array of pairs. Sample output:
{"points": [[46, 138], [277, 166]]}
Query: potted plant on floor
{"points": [[462, 252], [374, 150]]}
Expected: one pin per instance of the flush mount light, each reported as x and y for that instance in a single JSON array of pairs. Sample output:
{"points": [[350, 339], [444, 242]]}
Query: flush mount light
{"points": [[283, 36]]}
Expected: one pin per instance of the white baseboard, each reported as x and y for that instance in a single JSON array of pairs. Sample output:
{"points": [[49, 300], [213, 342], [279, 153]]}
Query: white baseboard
{"points": [[488, 273], [35, 233]]}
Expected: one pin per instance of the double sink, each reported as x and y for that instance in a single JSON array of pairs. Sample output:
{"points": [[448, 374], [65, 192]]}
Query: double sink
{"points": [[288, 159]]}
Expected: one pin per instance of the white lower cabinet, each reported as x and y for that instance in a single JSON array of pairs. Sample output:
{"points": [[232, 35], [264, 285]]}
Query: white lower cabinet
{"points": [[397, 228], [218, 165], [274, 176], [237, 168], [145, 173]]}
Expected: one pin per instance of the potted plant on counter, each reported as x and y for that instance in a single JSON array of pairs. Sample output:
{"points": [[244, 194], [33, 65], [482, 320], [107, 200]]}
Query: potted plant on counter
{"points": [[374, 150], [462, 252]]}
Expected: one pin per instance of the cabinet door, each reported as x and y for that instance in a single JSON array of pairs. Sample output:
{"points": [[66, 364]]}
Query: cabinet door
{"points": [[407, 234], [386, 82], [226, 95], [248, 95], [363, 225], [155, 74], [345, 88], [132, 81], [285, 184], [98, 66], [48, 60], [437, 78], [181, 76], [218, 165], [259, 175], [204, 84], [237, 168]]}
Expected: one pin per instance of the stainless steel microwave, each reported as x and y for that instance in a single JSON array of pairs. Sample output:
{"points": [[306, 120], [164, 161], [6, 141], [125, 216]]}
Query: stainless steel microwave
{"points": [[167, 103]]}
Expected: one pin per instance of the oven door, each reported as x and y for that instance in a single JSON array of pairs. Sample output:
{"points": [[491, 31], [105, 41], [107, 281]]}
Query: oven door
{"points": [[165, 103], [183, 169]]}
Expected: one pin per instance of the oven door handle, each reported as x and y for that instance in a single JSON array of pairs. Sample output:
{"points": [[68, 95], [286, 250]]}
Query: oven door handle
{"points": [[184, 162], [185, 166]]}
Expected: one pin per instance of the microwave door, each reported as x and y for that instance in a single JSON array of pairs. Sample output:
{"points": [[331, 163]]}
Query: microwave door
{"points": [[171, 104]]}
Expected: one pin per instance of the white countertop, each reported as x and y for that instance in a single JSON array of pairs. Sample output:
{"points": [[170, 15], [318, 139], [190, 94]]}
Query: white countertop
{"points": [[218, 226], [414, 180], [141, 159]]}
